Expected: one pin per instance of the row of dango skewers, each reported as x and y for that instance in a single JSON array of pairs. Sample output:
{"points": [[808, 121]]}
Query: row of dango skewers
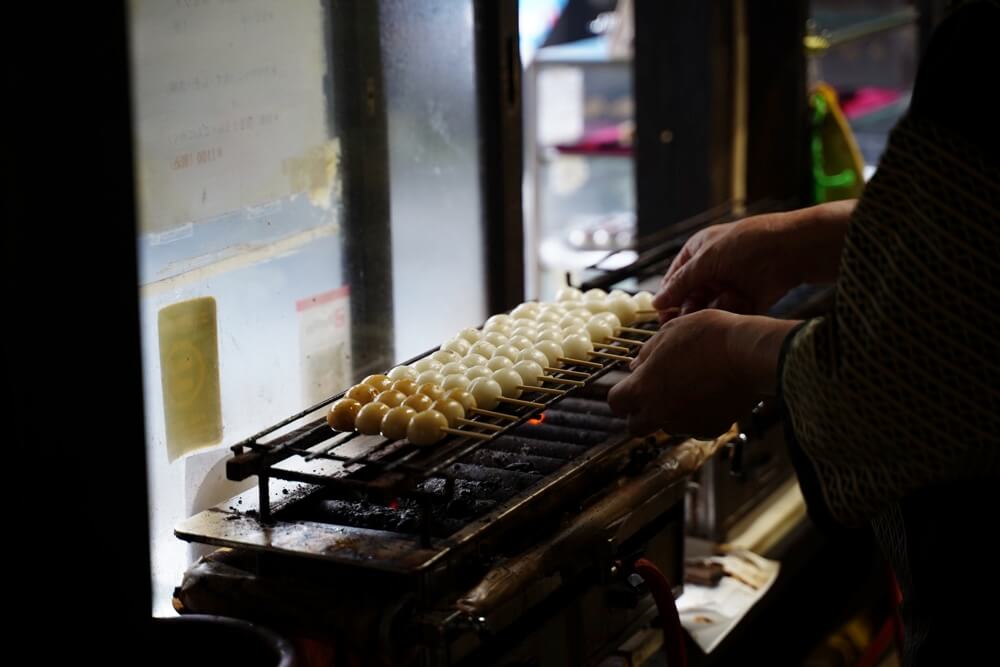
{"points": [[479, 369]]}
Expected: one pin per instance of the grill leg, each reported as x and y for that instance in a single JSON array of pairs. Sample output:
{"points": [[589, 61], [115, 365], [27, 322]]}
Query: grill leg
{"points": [[264, 500], [425, 522]]}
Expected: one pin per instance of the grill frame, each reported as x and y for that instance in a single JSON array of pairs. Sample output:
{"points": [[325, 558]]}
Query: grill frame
{"points": [[399, 467], [235, 524], [248, 520], [596, 500]]}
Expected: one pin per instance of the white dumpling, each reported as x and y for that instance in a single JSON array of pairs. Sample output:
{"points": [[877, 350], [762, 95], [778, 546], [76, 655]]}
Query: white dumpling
{"points": [[599, 330], [498, 362], [486, 391], [521, 342], [571, 321], [529, 371], [568, 294], [497, 319], [483, 348], [471, 360], [403, 373], [643, 301], [549, 334], [459, 346], [456, 381], [555, 309], [577, 347], [611, 319], [624, 308], [598, 306], [524, 332], [454, 368], [526, 311], [470, 335], [531, 354], [495, 338], [551, 349], [477, 372], [496, 327], [432, 377], [508, 351], [445, 357], [427, 364], [509, 381]]}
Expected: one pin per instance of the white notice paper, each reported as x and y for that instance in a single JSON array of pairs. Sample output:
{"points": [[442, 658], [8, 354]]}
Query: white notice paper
{"points": [[231, 107], [710, 613]]}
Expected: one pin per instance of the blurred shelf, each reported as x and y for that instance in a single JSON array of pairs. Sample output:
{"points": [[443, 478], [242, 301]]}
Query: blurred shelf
{"points": [[594, 50], [871, 130], [831, 29], [881, 118]]}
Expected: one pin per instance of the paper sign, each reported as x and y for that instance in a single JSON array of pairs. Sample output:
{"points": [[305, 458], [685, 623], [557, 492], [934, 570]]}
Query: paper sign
{"points": [[189, 373]]}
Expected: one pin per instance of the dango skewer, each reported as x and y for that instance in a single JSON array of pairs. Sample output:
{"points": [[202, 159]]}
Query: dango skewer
{"points": [[430, 426]]}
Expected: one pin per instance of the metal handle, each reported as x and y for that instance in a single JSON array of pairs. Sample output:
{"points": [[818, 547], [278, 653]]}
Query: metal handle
{"points": [[764, 416]]}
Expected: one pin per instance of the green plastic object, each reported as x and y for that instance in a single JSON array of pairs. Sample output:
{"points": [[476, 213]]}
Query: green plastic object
{"points": [[837, 165]]}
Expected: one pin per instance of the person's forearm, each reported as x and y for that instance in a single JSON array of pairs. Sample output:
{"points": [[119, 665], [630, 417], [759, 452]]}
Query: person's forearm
{"points": [[754, 345], [815, 239]]}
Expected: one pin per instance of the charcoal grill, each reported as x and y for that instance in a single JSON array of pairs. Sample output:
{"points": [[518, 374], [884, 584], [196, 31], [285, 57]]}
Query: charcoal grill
{"points": [[467, 552]]}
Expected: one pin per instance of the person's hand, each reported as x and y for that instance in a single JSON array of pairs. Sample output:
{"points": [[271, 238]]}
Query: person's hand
{"points": [[746, 266], [700, 373]]}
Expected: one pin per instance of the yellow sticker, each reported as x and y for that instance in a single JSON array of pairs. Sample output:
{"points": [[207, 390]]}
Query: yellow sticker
{"points": [[189, 373]]}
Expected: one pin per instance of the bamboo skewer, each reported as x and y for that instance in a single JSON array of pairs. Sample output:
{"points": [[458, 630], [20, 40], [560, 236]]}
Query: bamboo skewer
{"points": [[653, 311], [613, 348], [550, 369], [468, 434], [645, 332], [580, 362], [488, 426], [616, 357], [517, 401], [542, 390], [627, 340], [575, 383], [491, 413]]}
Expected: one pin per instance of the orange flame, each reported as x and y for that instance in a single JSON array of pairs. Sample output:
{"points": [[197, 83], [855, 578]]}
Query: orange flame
{"points": [[537, 420]]}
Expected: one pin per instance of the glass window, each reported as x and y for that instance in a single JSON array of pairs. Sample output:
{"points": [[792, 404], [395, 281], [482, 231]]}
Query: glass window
{"points": [[867, 51], [428, 56], [253, 260], [245, 308]]}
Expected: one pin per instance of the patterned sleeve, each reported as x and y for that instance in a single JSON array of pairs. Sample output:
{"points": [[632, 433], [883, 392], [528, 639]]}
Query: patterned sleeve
{"points": [[897, 389]]}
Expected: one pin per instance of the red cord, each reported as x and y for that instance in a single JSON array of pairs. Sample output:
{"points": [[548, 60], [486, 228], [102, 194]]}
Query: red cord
{"points": [[663, 596], [878, 646], [891, 630], [895, 602]]}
